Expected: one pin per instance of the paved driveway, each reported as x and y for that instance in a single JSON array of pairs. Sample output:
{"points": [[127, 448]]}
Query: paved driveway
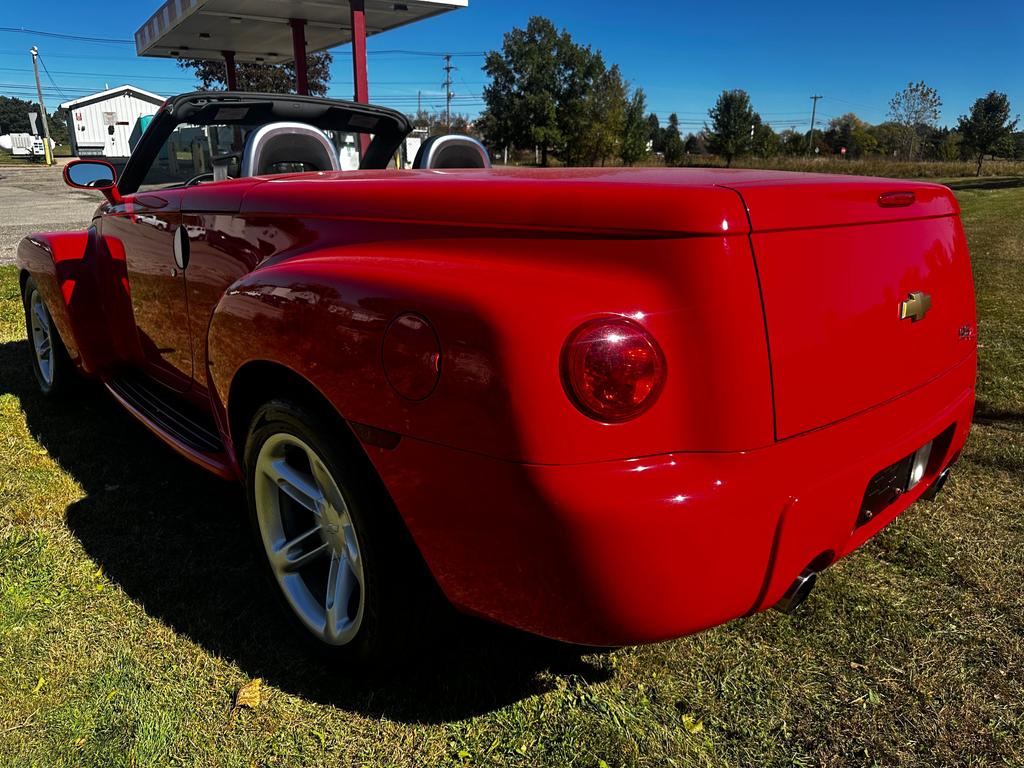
{"points": [[35, 199]]}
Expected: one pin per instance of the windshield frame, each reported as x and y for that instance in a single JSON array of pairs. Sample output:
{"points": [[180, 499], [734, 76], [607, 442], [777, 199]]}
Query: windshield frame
{"points": [[388, 127]]}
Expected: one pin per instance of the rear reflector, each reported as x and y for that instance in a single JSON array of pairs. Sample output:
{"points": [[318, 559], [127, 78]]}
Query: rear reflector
{"points": [[896, 199]]}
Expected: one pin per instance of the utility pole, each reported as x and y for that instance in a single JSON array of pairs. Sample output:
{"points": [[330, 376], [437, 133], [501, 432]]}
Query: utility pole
{"points": [[42, 107], [448, 69], [814, 113]]}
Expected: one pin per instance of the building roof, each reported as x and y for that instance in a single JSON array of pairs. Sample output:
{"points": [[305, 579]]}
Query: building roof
{"points": [[129, 90], [258, 30]]}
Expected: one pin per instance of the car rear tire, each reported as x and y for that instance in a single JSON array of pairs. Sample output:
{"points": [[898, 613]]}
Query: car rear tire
{"points": [[51, 364], [337, 555]]}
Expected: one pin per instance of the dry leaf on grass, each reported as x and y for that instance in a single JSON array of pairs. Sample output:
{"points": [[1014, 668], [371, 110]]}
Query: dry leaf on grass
{"points": [[249, 695]]}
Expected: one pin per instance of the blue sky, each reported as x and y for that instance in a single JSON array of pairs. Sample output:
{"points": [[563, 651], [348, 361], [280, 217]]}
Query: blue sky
{"points": [[682, 54]]}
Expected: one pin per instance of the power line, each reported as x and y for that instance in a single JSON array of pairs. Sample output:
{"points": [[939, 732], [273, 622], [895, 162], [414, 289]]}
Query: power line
{"points": [[52, 81], [438, 54], [63, 36]]}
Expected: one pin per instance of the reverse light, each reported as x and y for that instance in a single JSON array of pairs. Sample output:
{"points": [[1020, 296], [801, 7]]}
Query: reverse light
{"points": [[612, 370], [919, 465]]}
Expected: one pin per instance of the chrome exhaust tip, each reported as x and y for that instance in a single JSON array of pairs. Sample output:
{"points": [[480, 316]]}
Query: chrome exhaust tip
{"points": [[935, 488], [798, 591]]}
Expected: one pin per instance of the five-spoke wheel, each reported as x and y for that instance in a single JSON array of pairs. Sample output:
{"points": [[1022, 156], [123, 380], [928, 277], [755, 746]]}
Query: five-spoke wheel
{"points": [[50, 362], [310, 538], [335, 549]]}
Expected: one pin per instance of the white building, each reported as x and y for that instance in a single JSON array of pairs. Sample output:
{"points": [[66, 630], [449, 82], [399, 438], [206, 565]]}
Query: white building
{"points": [[107, 124]]}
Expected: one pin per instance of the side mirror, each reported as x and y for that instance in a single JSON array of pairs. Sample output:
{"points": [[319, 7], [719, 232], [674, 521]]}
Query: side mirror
{"points": [[93, 174]]}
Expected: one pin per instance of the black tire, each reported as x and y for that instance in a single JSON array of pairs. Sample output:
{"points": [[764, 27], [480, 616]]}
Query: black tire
{"points": [[395, 582], [57, 375]]}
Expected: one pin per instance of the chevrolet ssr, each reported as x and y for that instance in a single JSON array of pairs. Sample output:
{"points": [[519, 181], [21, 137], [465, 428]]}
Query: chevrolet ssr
{"points": [[606, 406]]}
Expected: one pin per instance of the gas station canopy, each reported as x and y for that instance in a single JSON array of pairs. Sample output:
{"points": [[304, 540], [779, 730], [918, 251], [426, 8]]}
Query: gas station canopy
{"points": [[262, 30]]}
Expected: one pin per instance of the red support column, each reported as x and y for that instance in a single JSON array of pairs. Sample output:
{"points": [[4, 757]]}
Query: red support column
{"points": [[362, 94], [299, 46], [232, 71]]}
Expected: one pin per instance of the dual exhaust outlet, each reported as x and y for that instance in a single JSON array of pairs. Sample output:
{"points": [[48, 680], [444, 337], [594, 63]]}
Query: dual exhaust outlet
{"points": [[801, 588]]}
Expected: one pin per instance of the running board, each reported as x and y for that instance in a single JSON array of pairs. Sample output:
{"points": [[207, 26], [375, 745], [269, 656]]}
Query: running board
{"points": [[184, 427]]}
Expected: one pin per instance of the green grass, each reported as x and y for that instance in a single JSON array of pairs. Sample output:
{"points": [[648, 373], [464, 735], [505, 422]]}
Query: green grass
{"points": [[130, 615]]}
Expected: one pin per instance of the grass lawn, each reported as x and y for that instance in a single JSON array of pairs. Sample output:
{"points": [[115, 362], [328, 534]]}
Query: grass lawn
{"points": [[131, 615]]}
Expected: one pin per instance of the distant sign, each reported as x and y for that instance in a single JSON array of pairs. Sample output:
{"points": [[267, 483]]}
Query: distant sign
{"points": [[32, 117], [110, 118]]}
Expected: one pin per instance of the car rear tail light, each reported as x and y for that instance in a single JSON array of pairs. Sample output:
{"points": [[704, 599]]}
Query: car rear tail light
{"points": [[612, 370]]}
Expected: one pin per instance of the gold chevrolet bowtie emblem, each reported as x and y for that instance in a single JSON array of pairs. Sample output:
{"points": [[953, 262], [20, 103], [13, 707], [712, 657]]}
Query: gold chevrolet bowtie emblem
{"points": [[915, 307]]}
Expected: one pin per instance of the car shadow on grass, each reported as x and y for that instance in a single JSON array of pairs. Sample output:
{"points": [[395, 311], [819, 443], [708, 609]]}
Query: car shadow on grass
{"points": [[175, 540], [981, 182]]}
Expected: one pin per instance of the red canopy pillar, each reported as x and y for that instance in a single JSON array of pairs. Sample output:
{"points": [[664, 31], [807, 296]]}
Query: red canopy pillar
{"points": [[299, 47], [362, 87], [362, 94], [232, 70]]}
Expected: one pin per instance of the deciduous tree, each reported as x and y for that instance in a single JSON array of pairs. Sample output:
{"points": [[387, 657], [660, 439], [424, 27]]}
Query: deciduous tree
{"points": [[523, 95], [549, 92], [766, 142], [793, 142], [263, 78], [732, 119], [915, 108], [988, 129], [634, 135]]}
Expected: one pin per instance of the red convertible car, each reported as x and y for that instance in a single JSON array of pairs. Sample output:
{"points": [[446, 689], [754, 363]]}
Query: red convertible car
{"points": [[607, 406]]}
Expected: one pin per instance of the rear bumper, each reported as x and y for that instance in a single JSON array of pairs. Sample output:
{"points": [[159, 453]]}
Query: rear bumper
{"points": [[645, 549]]}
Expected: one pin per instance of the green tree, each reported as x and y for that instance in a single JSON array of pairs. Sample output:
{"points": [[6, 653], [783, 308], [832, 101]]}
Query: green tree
{"points": [[696, 144], [915, 109], [792, 142], [889, 138], [636, 129], [523, 95], [14, 114], [732, 119], [673, 141], [549, 92], [841, 131], [1018, 145], [263, 78], [988, 129], [605, 125], [14, 119], [435, 125], [655, 133], [766, 142], [950, 147], [586, 89]]}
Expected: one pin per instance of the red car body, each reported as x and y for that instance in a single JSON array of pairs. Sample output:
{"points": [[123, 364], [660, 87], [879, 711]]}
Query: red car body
{"points": [[790, 380]]}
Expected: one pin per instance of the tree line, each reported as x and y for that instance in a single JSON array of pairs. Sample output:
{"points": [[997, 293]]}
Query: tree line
{"points": [[559, 98], [14, 119]]}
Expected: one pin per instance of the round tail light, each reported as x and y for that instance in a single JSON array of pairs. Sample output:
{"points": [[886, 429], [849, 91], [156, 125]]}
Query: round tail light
{"points": [[612, 370]]}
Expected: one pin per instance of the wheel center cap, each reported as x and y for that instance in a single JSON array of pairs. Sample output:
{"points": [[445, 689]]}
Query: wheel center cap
{"points": [[332, 528]]}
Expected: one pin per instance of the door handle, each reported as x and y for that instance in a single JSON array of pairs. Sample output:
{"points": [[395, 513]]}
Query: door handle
{"points": [[182, 248]]}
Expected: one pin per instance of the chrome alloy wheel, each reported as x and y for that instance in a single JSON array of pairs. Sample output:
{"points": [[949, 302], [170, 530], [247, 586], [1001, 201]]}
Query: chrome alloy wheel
{"points": [[310, 538], [42, 336]]}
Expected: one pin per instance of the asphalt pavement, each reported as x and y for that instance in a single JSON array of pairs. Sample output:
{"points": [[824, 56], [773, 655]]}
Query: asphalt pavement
{"points": [[34, 198]]}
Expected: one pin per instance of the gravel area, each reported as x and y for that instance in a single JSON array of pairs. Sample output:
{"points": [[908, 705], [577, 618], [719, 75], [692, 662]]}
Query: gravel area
{"points": [[35, 199]]}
